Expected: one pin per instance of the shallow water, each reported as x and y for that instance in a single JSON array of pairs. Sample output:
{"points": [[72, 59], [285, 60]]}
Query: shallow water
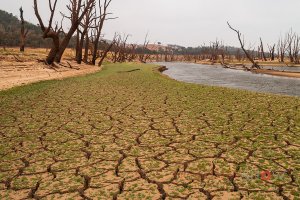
{"points": [[219, 76]]}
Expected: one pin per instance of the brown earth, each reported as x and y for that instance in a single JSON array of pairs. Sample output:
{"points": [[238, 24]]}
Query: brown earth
{"points": [[128, 133], [239, 66], [15, 74], [277, 73], [23, 68]]}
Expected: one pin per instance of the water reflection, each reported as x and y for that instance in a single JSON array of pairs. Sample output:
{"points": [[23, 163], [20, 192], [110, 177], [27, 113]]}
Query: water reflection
{"points": [[218, 76]]}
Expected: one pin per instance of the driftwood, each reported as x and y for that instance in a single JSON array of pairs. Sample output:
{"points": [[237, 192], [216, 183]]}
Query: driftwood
{"points": [[235, 67], [18, 59], [225, 65], [77, 68], [69, 66], [129, 71], [50, 66], [162, 68]]}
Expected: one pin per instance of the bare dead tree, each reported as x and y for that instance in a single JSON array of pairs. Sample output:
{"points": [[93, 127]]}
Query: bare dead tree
{"points": [[223, 52], [242, 43], [23, 33], [120, 50], [121, 53], [143, 55], [166, 56], [116, 49], [104, 55], [289, 40], [281, 49], [217, 50], [49, 32], [272, 52], [132, 52], [292, 40], [258, 54], [103, 16], [263, 55], [82, 34], [296, 48], [77, 11], [214, 50]]}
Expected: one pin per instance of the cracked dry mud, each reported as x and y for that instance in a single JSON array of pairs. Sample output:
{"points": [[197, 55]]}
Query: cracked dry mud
{"points": [[139, 135]]}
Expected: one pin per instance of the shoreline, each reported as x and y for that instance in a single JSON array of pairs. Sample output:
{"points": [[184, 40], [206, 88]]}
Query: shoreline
{"points": [[288, 74], [271, 64], [255, 82], [239, 66]]}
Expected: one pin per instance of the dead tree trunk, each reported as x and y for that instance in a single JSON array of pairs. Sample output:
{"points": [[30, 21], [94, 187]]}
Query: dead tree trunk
{"points": [[142, 55], [86, 25], [262, 50], [77, 11], [49, 32], [24, 33], [296, 49], [242, 43], [79, 46], [132, 52], [214, 50], [272, 52], [290, 39], [106, 52], [123, 55], [281, 49], [99, 26]]}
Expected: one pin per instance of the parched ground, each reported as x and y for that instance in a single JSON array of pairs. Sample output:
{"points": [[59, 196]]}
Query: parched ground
{"points": [[124, 133], [18, 69]]}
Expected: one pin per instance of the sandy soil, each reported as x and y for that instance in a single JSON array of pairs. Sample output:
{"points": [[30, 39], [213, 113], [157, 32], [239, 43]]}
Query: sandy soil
{"points": [[261, 63], [237, 66], [20, 73], [277, 73]]}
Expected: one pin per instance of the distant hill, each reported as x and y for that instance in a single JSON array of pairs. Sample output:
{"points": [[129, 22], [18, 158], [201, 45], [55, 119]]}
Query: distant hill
{"points": [[10, 32], [10, 36]]}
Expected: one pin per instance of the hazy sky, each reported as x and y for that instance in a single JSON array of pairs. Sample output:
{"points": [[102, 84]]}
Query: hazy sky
{"points": [[189, 22]]}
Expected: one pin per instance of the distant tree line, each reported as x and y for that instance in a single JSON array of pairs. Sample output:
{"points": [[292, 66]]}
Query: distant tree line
{"points": [[10, 33], [85, 35]]}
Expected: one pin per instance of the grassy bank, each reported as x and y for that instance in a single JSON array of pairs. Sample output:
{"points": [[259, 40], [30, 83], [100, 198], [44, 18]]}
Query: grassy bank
{"points": [[128, 132]]}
